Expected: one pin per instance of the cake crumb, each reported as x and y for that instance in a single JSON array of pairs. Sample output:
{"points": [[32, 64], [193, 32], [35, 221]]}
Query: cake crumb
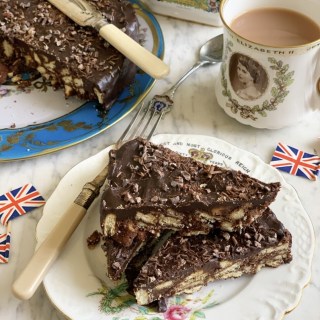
{"points": [[93, 239], [3, 73]]}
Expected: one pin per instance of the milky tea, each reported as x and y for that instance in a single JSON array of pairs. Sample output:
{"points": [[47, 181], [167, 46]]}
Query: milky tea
{"points": [[276, 27]]}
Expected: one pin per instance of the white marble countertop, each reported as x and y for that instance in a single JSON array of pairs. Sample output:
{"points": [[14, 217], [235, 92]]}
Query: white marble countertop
{"points": [[195, 112]]}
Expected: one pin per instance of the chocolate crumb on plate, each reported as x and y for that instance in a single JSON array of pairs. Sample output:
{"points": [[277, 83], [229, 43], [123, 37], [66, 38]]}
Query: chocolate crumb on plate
{"points": [[94, 239]]}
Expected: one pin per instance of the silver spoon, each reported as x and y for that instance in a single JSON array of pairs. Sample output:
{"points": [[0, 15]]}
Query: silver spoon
{"points": [[210, 53]]}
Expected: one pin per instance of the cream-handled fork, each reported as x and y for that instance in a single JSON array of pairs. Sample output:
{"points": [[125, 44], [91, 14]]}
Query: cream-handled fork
{"points": [[143, 124]]}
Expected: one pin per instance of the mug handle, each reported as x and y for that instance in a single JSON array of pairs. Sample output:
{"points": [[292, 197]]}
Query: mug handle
{"points": [[315, 97]]}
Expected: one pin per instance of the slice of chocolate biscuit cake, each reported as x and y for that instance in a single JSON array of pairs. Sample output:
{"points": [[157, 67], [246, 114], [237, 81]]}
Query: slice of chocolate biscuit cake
{"points": [[185, 264], [151, 188], [36, 35]]}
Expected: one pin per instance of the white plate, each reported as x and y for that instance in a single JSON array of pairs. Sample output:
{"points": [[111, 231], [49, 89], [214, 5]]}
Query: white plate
{"points": [[268, 295]]}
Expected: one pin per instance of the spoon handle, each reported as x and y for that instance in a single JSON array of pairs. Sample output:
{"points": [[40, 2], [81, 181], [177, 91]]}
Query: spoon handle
{"points": [[195, 67], [163, 103]]}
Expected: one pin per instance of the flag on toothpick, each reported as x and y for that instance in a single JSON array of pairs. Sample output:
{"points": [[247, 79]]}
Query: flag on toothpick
{"points": [[19, 201], [5, 239], [296, 162]]}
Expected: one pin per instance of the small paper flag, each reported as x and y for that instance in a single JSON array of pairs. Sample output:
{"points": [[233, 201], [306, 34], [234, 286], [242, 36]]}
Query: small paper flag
{"points": [[19, 201], [296, 162], [5, 239]]}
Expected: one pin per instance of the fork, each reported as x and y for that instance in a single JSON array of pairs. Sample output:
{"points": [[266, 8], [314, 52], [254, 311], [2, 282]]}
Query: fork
{"points": [[31, 277]]}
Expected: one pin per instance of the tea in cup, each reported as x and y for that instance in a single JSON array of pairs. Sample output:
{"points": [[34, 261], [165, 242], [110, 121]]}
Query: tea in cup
{"points": [[270, 73]]}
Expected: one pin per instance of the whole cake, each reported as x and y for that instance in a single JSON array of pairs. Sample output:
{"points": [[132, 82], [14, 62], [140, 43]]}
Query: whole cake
{"points": [[151, 188], [36, 35]]}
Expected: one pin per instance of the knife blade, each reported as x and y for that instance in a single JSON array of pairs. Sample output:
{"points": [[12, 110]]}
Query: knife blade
{"points": [[84, 14]]}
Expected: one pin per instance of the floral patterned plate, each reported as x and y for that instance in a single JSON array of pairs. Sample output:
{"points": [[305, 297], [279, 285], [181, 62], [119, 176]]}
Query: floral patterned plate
{"points": [[77, 284], [39, 120]]}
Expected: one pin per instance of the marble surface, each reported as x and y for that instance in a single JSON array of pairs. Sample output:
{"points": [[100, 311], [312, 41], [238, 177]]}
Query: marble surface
{"points": [[195, 112]]}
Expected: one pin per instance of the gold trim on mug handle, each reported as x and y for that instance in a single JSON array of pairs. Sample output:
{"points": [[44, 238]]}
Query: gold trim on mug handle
{"points": [[318, 85]]}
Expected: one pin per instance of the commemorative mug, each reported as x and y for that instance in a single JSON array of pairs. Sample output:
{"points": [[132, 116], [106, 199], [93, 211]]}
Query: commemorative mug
{"points": [[270, 73]]}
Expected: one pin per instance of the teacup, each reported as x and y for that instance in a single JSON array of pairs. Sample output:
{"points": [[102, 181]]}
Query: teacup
{"points": [[269, 85]]}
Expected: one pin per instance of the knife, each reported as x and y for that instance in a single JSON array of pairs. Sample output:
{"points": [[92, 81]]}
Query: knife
{"points": [[82, 13], [46, 254]]}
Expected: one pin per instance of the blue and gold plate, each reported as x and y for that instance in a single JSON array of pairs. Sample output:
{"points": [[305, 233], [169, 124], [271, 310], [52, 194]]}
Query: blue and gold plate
{"points": [[38, 120]]}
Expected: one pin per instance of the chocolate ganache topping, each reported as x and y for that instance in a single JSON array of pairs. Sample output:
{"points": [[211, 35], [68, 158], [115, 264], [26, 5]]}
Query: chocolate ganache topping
{"points": [[37, 35]]}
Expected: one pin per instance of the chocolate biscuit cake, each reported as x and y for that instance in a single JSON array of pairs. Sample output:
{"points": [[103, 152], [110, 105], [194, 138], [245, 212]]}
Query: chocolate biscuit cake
{"points": [[152, 188], [185, 264], [34, 34]]}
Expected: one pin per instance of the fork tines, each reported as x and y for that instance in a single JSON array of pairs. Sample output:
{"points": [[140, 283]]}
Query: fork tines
{"points": [[144, 123]]}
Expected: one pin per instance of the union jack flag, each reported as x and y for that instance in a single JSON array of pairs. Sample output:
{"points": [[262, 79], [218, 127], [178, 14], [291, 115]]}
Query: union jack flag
{"points": [[296, 162], [5, 246], [19, 201]]}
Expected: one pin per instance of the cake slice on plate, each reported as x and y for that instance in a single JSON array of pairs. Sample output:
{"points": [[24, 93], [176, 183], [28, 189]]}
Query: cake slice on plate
{"points": [[185, 264], [34, 34], [152, 188]]}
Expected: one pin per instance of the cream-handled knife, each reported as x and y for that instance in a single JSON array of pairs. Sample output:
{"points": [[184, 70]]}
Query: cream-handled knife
{"points": [[46, 254], [82, 13]]}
